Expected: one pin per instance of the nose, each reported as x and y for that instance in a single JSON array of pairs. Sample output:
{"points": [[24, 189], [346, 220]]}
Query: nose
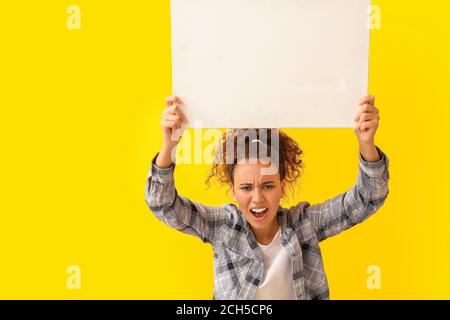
{"points": [[257, 196]]}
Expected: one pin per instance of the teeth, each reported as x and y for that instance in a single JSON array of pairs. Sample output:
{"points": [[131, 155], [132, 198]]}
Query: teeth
{"points": [[259, 210]]}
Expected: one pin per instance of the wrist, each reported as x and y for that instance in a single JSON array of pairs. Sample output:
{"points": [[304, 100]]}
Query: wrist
{"points": [[369, 152], [164, 159], [367, 144], [166, 149]]}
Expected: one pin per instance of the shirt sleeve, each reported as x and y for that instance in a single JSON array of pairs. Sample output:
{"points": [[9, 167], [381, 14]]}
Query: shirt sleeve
{"points": [[179, 212], [357, 204]]}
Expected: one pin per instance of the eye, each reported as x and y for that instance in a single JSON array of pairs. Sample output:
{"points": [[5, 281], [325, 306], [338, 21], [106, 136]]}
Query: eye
{"points": [[246, 188], [269, 186]]}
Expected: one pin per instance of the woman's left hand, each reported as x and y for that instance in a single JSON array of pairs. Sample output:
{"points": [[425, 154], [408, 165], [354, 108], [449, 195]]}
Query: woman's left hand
{"points": [[366, 121]]}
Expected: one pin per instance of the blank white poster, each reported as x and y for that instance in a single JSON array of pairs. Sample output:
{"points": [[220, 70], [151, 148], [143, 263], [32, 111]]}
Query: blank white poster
{"points": [[270, 63]]}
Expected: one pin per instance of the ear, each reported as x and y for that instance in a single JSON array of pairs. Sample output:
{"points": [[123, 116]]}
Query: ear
{"points": [[283, 189]]}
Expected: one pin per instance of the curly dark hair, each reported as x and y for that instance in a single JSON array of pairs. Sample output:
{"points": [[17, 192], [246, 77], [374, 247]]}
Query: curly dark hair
{"points": [[272, 145]]}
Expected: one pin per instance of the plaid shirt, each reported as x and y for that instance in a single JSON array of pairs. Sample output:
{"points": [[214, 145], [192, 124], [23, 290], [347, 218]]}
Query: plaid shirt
{"points": [[238, 262]]}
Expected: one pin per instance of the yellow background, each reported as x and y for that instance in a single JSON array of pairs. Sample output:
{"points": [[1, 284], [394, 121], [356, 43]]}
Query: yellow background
{"points": [[79, 125]]}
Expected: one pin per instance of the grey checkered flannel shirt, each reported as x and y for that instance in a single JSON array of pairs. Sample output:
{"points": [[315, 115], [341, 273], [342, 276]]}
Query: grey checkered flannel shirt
{"points": [[238, 262]]}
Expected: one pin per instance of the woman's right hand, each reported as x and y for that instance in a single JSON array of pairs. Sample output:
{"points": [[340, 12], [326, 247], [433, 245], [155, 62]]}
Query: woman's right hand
{"points": [[171, 122], [172, 119]]}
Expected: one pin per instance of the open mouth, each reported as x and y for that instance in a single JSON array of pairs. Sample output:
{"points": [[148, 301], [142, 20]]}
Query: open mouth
{"points": [[259, 213]]}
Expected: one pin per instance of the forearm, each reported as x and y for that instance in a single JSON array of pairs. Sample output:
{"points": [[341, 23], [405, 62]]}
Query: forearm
{"points": [[179, 212], [357, 204], [164, 159], [369, 152]]}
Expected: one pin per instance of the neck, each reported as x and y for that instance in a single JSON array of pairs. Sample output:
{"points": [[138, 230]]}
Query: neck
{"points": [[265, 236]]}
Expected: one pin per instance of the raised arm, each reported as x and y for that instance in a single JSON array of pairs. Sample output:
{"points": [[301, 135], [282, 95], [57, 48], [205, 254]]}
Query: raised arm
{"points": [[160, 192], [371, 189], [357, 204]]}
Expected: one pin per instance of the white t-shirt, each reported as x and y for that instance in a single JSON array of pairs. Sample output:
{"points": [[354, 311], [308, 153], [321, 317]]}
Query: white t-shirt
{"points": [[277, 282]]}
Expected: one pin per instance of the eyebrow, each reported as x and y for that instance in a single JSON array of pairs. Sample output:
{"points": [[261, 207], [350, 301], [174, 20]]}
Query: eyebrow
{"points": [[264, 183]]}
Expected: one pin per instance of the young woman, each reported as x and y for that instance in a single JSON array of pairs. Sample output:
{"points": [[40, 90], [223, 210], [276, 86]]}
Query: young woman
{"points": [[261, 250]]}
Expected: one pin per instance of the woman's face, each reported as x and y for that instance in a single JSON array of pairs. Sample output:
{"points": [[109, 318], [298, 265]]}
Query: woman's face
{"points": [[258, 194]]}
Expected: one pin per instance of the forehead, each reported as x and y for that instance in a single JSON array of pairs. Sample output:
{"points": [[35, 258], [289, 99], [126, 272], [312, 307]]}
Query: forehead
{"points": [[250, 172]]}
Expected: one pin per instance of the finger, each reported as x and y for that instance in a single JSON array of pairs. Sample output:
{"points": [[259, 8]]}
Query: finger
{"points": [[176, 110], [365, 99], [169, 101], [179, 100], [177, 124], [180, 113], [169, 124], [364, 126], [367, 116], [358, 114], [172, 117], [172, 109], [365, 108], [173, 100], [369, 125]]}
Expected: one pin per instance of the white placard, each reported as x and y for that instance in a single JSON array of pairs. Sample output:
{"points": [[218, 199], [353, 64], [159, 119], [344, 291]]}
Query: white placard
{"points": [[270, 63]]}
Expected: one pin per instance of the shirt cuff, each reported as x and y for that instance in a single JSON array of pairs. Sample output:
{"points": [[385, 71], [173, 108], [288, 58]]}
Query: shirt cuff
{"points": [[374, 169], [159, 174]]}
